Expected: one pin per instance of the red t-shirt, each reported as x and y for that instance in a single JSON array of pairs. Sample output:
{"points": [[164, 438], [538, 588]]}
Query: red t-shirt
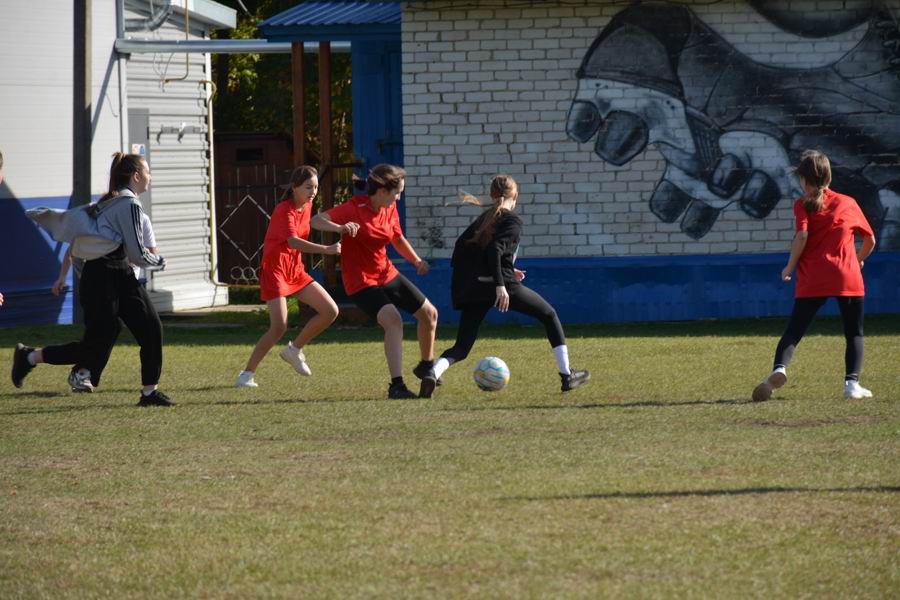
{"points": [[828, 265], [364, 260], [281, 271]]}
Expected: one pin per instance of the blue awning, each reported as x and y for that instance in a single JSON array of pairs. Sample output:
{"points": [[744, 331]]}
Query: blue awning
{"points": [[334, 21]]}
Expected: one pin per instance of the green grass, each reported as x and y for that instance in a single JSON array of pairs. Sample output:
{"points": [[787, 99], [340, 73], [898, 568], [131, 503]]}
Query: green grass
{"points": [[659, 478]]}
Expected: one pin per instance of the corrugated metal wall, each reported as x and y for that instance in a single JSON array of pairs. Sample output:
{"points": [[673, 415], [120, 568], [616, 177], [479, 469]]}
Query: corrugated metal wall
{"points": [[179, 200]]}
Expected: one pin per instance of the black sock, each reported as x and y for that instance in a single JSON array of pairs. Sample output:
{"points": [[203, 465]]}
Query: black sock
{"points": [[397, 380]]}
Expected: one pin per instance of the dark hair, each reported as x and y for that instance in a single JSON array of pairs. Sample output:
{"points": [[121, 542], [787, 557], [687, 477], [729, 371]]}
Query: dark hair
{"points": [[120, 172], [381, 176], [299, 176], [1, 160], [815, 169], [502, 187]]}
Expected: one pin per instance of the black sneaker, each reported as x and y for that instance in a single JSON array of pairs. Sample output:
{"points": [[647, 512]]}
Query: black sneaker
{"points": [[423, 370], [426, 388], [576, 378], [155, 398], [399, 391], [20, 366]]}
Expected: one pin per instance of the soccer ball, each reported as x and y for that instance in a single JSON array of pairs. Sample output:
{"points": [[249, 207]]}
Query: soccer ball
{"points": [[491, 374]]}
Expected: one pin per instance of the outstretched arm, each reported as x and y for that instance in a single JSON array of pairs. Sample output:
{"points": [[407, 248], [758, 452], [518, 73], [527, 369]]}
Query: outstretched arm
{"points": [[868, 245], [402, 245], [797, 247]]}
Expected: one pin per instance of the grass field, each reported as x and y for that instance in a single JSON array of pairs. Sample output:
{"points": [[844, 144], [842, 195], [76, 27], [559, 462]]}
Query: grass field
{"points": [[658, 479]]}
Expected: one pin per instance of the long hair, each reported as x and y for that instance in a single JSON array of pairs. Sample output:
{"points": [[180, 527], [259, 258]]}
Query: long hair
{"points": [[299, 176], [381, 176], [815, 169], [503, 187], [120, 172]]}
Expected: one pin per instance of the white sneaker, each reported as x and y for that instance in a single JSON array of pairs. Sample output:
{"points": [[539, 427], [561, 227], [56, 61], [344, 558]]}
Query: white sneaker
{"points": [[80, 381], [245, 379], [854, 391], [296, 358], [775, 380]]}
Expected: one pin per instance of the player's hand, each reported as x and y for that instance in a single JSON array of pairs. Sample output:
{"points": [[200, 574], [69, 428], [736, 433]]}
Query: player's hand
{"points": [[861, 263], [520, 275], [502, 298], [333, 249], [58, 287], [422, 267], [786, 274], [350, 229], [1, 299]]}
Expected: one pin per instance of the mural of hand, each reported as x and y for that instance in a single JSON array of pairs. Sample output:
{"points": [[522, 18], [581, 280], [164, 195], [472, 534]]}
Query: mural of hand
{"points": [[752, 171]]}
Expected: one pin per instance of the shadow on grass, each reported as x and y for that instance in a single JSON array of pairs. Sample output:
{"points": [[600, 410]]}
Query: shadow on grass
{"points": [[250, 330], [878, 489], [641, 404]]}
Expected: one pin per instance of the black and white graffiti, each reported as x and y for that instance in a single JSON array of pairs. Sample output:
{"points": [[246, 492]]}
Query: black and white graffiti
{"points": [[730, 126]]}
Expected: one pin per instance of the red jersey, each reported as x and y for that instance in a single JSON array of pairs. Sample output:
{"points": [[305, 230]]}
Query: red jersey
{"points": [[281, 271], [364, 260], [828, 265]]}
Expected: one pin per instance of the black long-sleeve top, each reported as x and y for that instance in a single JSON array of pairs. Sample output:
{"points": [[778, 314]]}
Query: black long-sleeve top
{"points": [[478, 271]]}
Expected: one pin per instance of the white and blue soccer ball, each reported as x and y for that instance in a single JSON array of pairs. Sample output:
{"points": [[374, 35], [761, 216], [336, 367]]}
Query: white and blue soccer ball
{"points": [[491, 374]]}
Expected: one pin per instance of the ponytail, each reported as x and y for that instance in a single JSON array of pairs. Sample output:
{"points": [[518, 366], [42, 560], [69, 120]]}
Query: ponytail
{"points": [[120, 171], [815, 169], [502, 187]]}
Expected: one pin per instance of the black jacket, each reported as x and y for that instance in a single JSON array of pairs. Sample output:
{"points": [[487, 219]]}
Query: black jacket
{"points": [[478, 271]]}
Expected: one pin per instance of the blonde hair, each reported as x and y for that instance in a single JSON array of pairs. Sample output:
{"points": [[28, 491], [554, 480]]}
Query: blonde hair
{"points": [[815, 169], [503, 187]]}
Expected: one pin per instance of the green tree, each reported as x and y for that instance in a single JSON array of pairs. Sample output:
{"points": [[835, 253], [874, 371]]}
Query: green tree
{"points": [[253, 91]]}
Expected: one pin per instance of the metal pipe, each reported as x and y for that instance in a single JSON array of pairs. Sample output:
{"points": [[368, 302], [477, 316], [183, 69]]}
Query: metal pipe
{"points": [[130, 46], [154, 22]]}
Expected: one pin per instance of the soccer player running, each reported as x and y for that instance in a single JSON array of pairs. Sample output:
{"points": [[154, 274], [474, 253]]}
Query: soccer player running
{"points": [[282, 275], [484, 276], [108, 236], [828, 265], [370, 278]]}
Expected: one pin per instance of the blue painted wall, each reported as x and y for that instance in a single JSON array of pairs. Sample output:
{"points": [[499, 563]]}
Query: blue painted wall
{"points": [[674, 288], [30, 266]]}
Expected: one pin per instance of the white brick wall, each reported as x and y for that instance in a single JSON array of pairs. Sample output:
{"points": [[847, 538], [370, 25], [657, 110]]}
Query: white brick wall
{"points": [[486, 89]]}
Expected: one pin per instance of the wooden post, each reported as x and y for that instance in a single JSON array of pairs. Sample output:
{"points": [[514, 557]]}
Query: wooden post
{"points": [[298, 92], [326, 172]]}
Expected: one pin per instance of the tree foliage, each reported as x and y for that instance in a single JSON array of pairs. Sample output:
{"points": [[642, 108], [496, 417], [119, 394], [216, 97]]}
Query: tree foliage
{"points": [[254, 90]]}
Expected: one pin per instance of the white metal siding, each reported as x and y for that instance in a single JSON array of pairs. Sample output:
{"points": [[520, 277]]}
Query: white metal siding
{"points": [[180, 202]]}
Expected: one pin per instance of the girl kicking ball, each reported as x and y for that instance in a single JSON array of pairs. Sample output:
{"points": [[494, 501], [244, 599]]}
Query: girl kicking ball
{"points": [[282, 275], [370, 278], [824, 253], [484, 277]]}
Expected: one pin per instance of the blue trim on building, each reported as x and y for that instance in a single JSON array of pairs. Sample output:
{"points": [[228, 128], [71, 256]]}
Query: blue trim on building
{"points": [[30, 266], [664, 288]]}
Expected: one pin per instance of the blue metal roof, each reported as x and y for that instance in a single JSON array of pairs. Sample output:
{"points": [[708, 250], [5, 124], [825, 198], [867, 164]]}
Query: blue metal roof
{"points": [[337, 14]]}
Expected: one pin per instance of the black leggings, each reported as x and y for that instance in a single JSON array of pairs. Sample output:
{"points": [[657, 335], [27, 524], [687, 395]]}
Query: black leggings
{"points": [[109, 291], [521, 300], [805, 310]]}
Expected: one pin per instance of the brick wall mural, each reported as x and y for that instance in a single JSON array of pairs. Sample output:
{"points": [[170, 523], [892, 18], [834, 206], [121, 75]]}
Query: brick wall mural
{"points": [[651, 128], [730, 126]]}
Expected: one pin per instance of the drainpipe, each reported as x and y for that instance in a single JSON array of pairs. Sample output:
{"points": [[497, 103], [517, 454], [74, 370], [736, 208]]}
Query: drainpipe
{"points": [[152, 23], [122, 68]]}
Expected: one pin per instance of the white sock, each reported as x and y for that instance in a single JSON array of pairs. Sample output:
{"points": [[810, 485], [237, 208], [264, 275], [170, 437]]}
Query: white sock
{"points": [[32, 358], [440, 366], [562, 359], [149, 389]]}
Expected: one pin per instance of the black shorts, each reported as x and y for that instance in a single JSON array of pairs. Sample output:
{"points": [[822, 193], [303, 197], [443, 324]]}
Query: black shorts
{"points": [[399, 291]]}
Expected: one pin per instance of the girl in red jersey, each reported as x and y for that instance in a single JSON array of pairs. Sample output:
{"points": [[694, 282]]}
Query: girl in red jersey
{"points": [[827, 266], [370, 278], [282, 274]]}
